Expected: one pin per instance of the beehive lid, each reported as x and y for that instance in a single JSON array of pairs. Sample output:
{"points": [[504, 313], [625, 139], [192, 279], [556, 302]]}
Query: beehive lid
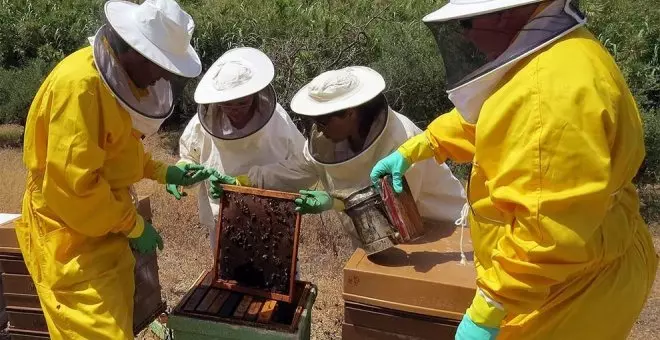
{"points": [[424, 277], [257, 242], [8, 241]]}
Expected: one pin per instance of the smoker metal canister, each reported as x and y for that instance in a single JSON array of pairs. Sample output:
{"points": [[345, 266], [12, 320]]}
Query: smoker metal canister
{"points": [[367, 210]]}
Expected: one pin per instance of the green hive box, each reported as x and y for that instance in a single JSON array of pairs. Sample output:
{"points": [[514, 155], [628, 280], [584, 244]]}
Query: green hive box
{"points": [[190, 321]]}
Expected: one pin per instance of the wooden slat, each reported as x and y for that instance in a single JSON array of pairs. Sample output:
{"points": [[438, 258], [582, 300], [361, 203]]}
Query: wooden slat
{"points": [[195, 299], [397, 322], [22, 334], [18, 284], [243, 307], [253, 311], [13, 264], [219, 301], [22, 301], [267, 311], [352, 332], [207, 300], [230, 305], [302, 302], [260, 192], [25, 319]]}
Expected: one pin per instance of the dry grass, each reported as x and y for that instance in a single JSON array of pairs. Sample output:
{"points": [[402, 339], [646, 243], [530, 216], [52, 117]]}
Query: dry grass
{"points": [[11, 135], [324, 246]]}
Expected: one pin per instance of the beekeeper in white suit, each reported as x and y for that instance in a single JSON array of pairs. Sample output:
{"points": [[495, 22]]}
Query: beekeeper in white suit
{"points": [[239, 124], [353, 128]]}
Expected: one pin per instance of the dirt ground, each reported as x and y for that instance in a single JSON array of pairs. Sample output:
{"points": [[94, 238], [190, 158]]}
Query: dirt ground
{"points": [[324, 248]]}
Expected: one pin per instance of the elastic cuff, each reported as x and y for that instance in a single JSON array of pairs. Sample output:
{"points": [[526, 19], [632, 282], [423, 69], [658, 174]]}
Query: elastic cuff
{"points": [[160, 173], [243, 180], [416, 149], [138, 229], [485, 311], [338, 205]]}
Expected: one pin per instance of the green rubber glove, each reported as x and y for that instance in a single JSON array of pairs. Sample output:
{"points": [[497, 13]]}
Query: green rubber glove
{"points": [[394, 164], [148, 241], [313, 202], [217, 179], [186, 174], [173, 190]]}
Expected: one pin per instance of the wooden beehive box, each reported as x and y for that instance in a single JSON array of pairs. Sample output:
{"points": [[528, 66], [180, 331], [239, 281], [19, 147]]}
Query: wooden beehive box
{"points": [[257, 243], [437, 288], [8, 244]]}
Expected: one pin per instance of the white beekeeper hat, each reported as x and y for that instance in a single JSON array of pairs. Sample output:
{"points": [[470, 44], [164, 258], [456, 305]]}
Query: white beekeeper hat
{"points": [[337, 90], [237, 73], [459, 9], [159, 30]]}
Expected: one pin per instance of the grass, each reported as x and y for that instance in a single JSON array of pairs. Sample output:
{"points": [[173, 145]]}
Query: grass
{"points": [[324, 246], [11, 136]]}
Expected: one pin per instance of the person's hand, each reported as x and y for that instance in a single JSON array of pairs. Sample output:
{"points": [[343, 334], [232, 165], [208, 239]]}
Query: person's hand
{"points": [[395, 165], [468, 330], [186, 174], [173, 190], [217, 179], [148, 241], [313, 202]]}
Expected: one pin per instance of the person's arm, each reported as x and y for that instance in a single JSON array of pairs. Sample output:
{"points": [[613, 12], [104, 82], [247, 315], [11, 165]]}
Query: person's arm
{"points": [[73, 186], [448, 136], [293, 173], [190, 144], [290, 175], [154, 169], [191, 141]]}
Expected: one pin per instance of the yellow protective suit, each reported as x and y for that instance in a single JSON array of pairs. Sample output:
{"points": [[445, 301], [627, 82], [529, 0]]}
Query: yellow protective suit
{"points": [[558, 238], [82, 155]]}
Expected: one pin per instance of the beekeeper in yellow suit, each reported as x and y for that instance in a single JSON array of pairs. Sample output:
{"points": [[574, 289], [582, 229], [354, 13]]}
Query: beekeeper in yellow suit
{"points": [[555, 138], [83, 151]]}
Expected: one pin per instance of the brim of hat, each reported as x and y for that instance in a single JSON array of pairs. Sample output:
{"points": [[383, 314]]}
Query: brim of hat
{"points": [[372, 84], [453, 11], [119, 15], [262, 76]]}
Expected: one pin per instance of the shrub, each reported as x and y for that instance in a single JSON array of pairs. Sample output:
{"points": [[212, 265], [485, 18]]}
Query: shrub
{"points": [[307, 37], [17, 89]]}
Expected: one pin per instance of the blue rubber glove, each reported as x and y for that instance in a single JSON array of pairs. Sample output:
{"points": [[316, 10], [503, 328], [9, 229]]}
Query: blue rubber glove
{"points": [[394, 164], [173, 190], [148, 241], [313, 202], [468, 330]]}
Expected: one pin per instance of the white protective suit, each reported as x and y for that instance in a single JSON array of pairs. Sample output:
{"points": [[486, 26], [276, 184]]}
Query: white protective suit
{"points": [[276, 141], [438, 194]]}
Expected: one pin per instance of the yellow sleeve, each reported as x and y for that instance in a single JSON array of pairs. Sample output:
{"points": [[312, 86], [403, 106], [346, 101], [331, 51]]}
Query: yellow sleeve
{"points": [[451, 137], [448, 136], [73, 186], [154, 169]]}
